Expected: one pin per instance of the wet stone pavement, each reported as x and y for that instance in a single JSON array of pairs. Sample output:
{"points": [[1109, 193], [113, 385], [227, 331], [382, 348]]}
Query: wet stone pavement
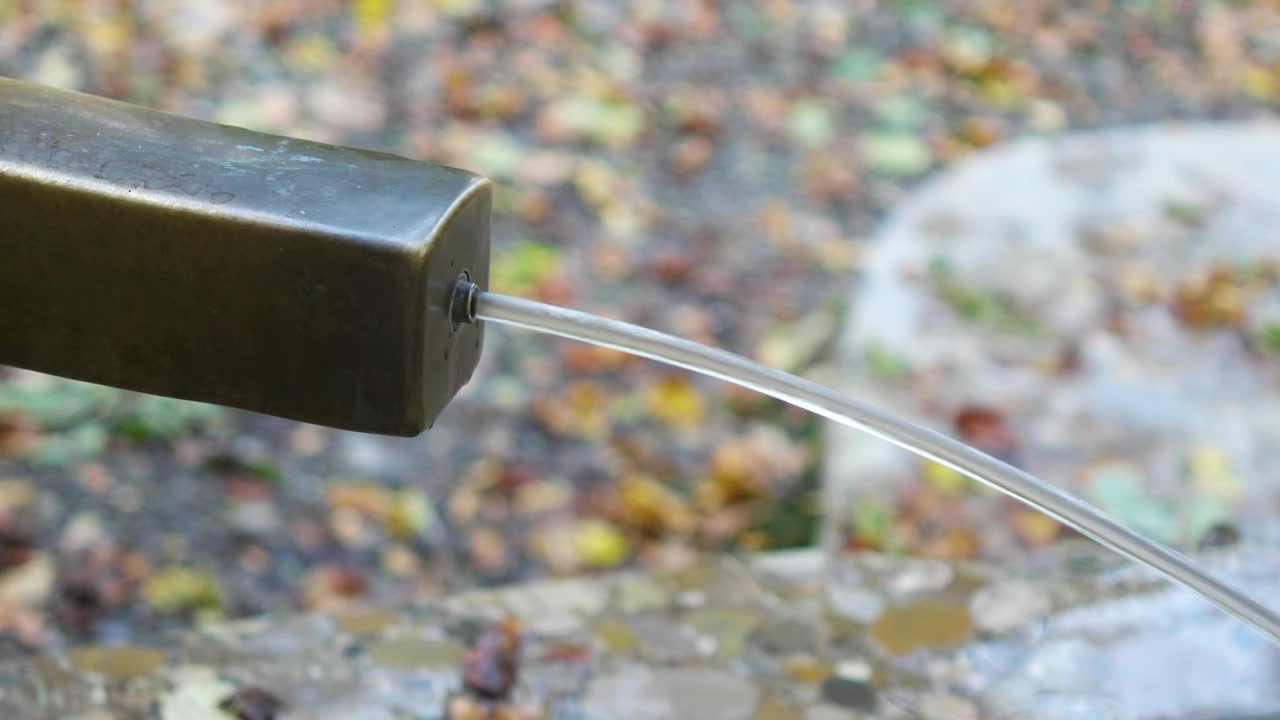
{"points": [[1077, 635]]}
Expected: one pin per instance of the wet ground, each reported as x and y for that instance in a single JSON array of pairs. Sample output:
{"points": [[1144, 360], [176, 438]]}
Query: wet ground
{"points": [[711, 170], [760, 640]]}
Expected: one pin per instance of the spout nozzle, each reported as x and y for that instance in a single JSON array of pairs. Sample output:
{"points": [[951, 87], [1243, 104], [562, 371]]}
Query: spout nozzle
{"points": [[462, 305]]}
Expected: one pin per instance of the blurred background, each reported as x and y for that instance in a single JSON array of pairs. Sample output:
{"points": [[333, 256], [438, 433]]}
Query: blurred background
{"points": [[715, 170]]}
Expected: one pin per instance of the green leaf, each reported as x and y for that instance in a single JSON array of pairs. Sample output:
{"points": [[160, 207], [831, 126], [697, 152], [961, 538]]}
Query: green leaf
{"points": [[980, 306], [82, 443], [1206, 512], [151, 417], [522, 267], [903, 112], [195, 694], [923, 14], [810, 123], [616, 123], [496, 155], [262, 469], [789, 521], [56, 402], [1184, 213], [856, 65], [1269, 339], [180, 589], [896, 153], [973, 44], [1119, 491], [873, 523], [885, 364]]}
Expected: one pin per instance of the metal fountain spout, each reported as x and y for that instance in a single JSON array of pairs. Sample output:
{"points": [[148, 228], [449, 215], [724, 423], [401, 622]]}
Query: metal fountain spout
{"points": [[182, 258]]}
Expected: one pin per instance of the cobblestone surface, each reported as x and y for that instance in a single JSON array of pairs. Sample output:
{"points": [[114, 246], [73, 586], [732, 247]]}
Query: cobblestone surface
{"points": [[772, 638]]}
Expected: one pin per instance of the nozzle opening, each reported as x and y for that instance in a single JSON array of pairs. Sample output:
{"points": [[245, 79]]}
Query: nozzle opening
{"points": [[462, 310]]}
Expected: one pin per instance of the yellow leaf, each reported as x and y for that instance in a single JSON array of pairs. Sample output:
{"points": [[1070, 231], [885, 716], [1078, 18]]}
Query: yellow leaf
{"points": [[944, 479], [676, 402], [312, 52], [587, 404], [597, 184], [370, 16], [600, 544], [1259, 83], [1034, 528], [1211, 474], [366, 498], [412, 515], [648, 506], [178, 589], [457, 8]]}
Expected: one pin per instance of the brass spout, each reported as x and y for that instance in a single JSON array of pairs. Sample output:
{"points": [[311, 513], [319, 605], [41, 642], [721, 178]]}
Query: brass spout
{"points": [[183, 258]]}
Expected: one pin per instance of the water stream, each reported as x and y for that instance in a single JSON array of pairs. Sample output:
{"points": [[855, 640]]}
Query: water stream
{"points": [[816, 398]]}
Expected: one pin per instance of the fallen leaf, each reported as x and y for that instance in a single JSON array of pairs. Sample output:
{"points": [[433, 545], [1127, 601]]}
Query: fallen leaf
{"points": [[252, 703], [943, 479], [490, 666], [676, 402], [896, 154], [810, 123], [599, 544], [1035, 528], [690, 155], [650, 507], [195, 695], [181, 589]]}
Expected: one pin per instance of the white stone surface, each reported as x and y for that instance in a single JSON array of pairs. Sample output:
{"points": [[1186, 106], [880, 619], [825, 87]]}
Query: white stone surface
{"points": [[1011, 216], [637, 692]]}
